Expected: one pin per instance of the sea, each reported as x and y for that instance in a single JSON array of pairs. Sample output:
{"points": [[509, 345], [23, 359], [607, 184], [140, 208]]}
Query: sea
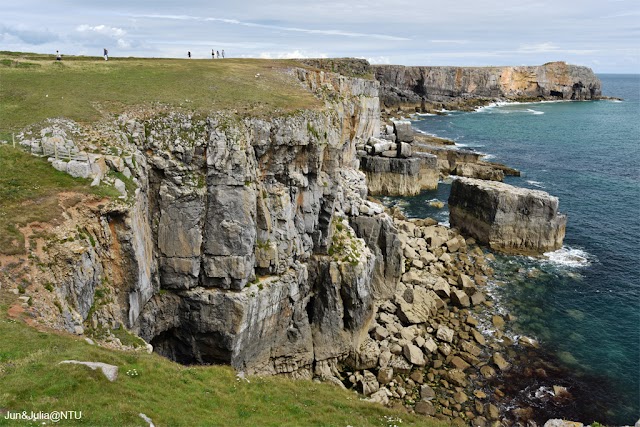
{"points": [[581, 302]]}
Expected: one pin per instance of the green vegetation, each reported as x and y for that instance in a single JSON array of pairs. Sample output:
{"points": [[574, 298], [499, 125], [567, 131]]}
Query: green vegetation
{"points": [[169, 393], [35, 87], [29, 187]]}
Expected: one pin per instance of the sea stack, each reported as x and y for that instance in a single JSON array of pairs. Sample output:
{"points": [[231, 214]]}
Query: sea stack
{"points": [[508, 219]]}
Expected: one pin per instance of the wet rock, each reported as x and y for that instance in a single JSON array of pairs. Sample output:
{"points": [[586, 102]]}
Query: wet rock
{"points": [[497, 321], [478, 337], [500, 362], [477, 298], [460, 397], [487, 372], [492, 412], [458, 363]]}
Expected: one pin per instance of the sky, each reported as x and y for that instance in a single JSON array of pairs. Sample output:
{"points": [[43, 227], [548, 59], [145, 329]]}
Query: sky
{"points": [[603, 34]]}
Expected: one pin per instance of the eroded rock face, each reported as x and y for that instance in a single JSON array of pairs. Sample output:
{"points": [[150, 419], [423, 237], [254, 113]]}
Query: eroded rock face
{"points": [[257, 230], [402, 85], [506, 218]]}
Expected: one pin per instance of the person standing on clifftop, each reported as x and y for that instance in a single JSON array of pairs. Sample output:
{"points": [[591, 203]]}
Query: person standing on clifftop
{"points": [[222, 53], [218, 54], [213, 54], [106, 54], [189, 54], [58, 56]]}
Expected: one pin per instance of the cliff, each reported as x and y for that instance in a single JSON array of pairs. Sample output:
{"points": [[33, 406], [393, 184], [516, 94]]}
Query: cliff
{"points": [[506, 218], [465, 86], [232, 241]]}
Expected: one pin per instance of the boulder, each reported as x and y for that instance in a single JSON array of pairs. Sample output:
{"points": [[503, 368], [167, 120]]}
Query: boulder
{"points": [[414, 355], [500, 362], [458, 363], [400, 365], [385, 375], [369, 383], [442, 288], [444, 333], [403, 130], [425, 408], [109, 371], [427, 393], [430, 345], [420, 310], [381, 396], [460, 299], [506, 218], [404, 150]]}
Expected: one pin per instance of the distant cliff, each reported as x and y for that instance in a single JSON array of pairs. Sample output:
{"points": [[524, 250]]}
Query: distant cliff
{"points": [[421, 86]]}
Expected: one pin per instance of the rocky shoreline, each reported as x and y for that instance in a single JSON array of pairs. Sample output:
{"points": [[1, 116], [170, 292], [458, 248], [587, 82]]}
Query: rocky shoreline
{"points": [[426, 350]]}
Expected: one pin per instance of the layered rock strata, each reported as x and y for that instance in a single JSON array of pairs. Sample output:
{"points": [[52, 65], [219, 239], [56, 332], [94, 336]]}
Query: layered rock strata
{"points": [[391, 165], [452, 160], [506, 218], [457, 87]]}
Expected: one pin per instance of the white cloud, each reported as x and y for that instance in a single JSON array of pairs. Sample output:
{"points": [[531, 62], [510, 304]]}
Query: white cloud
{"points": [[296, 54], [450, 41], [102, 30]]}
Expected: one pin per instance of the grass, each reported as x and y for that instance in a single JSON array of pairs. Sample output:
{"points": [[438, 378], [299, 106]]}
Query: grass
{"points": [[29, 187], [170, 394], [34, 87]]}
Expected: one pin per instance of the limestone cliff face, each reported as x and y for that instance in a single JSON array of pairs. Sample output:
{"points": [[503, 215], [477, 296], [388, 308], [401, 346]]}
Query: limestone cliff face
{"points": [[242, 243], [414, 86], [506, 218]]}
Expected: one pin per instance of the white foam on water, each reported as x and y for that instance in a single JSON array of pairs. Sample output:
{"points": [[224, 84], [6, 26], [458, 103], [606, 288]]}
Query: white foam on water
{"points": [[569, 257], [488, 156], [536, 184], [535, 112], [425, 114]]}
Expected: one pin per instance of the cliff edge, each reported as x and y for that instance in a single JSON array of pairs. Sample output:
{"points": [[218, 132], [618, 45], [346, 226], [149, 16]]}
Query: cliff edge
{"points": [[460, 86]]}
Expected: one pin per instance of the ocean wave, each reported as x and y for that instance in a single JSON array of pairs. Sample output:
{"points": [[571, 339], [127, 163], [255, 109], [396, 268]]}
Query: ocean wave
{"points": [[569, 257], [488, 156], [425, 114], [536, 184], [535, 112]]}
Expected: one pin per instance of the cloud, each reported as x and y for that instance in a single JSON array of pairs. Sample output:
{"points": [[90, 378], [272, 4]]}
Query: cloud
{"points": [[549, 47], [102, 30], [450, 41], [291, 55], [339, 33], [26, 35]]}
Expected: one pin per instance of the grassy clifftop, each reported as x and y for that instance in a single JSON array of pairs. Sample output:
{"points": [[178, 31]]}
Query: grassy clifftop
{"points": [[34, 87]]}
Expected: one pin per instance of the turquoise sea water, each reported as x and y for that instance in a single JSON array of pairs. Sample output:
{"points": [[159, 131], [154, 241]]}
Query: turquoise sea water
{"points": [[583, 304]]}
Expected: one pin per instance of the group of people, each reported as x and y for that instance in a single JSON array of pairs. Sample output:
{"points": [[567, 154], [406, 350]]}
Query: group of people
{"points": [[214, 54]]}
